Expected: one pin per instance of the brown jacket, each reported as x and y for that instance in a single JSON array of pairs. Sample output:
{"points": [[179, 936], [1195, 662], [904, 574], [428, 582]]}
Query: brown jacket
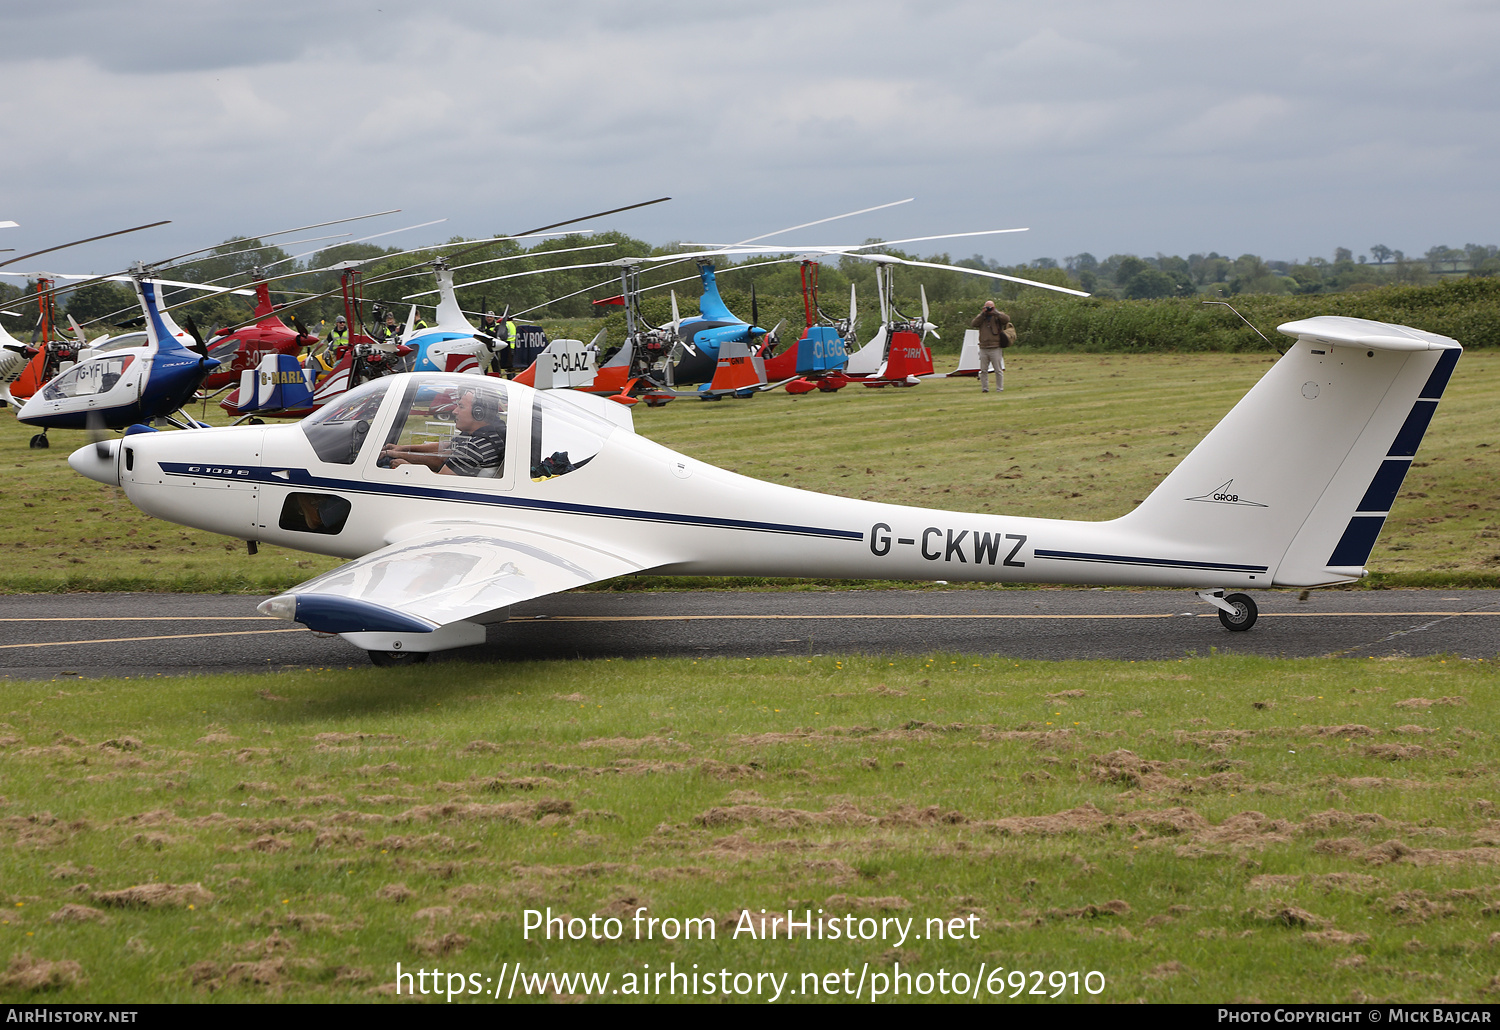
{"points": [[991, 326]]}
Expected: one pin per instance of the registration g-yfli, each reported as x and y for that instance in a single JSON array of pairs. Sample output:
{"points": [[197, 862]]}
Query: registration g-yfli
{"points": [[457, 496]]}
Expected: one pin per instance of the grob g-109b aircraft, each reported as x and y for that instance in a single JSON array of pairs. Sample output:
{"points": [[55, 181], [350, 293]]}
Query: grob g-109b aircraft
{"points": [[548, 490]]}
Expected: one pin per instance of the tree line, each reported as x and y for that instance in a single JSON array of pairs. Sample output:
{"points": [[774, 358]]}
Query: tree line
{"points": [[559, 280]]}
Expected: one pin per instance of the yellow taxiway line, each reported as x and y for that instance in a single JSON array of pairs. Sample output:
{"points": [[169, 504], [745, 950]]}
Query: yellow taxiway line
{"points": [[177, 636]]}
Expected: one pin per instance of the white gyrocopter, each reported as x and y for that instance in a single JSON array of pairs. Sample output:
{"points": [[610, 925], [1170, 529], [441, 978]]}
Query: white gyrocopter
{"points": [[549, 490]]}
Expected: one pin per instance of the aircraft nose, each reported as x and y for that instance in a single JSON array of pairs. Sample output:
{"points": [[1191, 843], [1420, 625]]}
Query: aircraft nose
{"points": [[99, 461]]}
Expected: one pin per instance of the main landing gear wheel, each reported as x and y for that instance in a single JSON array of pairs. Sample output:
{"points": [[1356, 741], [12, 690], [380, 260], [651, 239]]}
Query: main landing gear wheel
{"points": [[1245, 613], [39, 442], [388, 659]]}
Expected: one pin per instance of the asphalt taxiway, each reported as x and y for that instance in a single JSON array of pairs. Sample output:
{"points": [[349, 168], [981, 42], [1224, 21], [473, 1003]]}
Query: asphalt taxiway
{"points": [[89, 635]]}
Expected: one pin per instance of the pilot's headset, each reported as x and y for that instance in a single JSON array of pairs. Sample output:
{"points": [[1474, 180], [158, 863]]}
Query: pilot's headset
{"points": [[482, 407]]}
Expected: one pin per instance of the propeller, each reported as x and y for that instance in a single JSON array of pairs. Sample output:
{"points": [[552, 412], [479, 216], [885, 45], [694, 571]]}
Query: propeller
{"points": [[192, 330], [754, 306], [927, 326], [297, 325], [94, 422], [851, 307], [880, 292]]}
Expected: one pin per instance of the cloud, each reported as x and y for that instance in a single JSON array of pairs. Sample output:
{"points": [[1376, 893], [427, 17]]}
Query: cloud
{"points": [[1104, 125]]}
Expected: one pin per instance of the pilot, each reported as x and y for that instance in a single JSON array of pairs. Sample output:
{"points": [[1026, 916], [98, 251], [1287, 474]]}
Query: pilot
{"points": [[477, 449]]}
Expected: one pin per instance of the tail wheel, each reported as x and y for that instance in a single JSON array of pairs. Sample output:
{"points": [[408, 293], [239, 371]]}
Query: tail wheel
{"points": [[1245, 613], [388, 659]]}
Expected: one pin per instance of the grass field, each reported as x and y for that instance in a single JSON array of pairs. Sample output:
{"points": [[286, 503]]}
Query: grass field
{"points": [[1208, 829], [1073, 436]]}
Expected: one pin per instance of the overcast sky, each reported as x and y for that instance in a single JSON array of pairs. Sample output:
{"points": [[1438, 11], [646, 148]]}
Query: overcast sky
{"points": [[1279, 128]]}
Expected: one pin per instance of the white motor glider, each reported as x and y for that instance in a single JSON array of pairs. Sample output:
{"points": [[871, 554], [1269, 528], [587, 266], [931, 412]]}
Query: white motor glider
{"points": [[542, 491]]}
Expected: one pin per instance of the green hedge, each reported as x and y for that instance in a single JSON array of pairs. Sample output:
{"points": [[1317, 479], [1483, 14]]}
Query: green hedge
{"points": [[1467, 310]]}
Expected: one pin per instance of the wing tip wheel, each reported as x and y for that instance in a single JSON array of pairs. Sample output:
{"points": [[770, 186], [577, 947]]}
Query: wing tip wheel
{"points": [[392, 659], [1245, 613]]}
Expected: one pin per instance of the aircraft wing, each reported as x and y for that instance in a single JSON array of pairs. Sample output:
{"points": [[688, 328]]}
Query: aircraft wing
{"points": [[445, 572]]}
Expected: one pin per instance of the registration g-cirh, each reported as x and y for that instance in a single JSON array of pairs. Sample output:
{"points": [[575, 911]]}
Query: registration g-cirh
{"points": [[1290, 489]]}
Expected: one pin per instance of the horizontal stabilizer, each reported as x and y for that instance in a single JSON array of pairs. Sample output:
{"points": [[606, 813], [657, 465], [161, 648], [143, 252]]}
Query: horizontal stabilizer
{"points": [[1338, 330]]}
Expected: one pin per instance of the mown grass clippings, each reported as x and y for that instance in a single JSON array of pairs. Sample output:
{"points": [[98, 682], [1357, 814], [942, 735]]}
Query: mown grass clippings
{"points": [[1189, 846]]}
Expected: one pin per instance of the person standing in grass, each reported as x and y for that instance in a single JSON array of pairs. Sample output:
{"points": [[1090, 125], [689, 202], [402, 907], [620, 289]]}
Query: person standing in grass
{"points": [[995, 334]]}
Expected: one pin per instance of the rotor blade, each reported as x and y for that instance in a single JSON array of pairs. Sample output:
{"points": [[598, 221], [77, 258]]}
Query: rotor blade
{"points": [[600, 214], [886, 258], [613, 281], [844, 248], [820, 221], [362, 239], [510, 257], [283, 232], [943, 236], [91, 239], [499, 278]]}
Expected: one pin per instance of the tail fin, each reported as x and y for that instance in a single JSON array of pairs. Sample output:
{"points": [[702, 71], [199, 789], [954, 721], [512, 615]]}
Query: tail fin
{"points": [[738, 369], [1300, 476], [164, 334], [908, 357], [280, 384], [867, 360], [968, 357]]}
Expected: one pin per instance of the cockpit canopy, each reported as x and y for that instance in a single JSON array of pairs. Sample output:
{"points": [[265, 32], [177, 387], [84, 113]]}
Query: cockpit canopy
{"points": [[459, 425], [337, 431]]}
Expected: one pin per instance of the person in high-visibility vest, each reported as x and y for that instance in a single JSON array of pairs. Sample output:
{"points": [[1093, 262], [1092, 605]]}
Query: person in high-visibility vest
{"points": [[324, 356], [339, 336]]}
